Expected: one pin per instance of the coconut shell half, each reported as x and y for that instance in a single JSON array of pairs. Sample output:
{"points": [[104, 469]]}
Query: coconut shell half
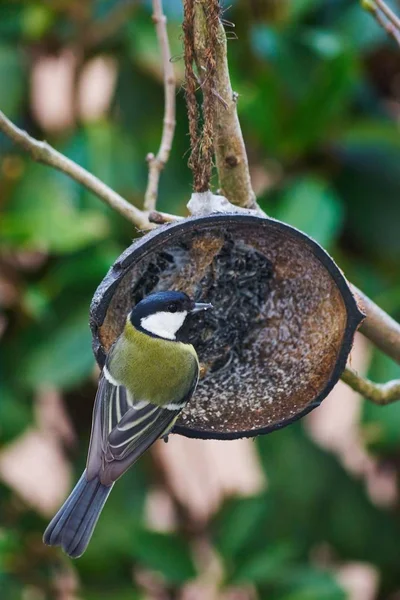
{"points": [[280, 332]]}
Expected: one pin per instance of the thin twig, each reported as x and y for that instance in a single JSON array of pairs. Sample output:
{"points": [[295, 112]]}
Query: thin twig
{"points": [[42, 152], [389, 14], [160, 218], [388, 27], [384, 16], [379, 393], [157, 163]]}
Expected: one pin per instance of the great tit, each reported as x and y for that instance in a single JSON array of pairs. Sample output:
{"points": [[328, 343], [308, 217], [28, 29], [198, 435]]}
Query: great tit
{"points": [[147, 380]]}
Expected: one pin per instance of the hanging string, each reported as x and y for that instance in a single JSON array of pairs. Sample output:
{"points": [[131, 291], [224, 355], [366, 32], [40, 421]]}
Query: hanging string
{"points": [[201, 119]]}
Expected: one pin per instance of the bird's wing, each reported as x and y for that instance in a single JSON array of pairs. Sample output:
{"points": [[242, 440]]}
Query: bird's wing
{"points": [[122, 429]]}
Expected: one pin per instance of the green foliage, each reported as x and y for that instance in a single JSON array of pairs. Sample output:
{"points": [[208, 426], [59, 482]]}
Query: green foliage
{"points": [[64, 361], [310, 584], [381, 427], [12, 71], [43, 216], [369, 182], [14, 416], [165, 553], [312, 207], [317, 84]]}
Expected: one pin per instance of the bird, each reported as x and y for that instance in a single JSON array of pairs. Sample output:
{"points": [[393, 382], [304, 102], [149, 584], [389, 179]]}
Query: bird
{"points": [[148, 378]]}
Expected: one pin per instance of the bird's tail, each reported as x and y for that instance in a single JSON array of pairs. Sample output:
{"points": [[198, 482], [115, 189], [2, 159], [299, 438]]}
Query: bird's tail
{"points": [[73, 525]]}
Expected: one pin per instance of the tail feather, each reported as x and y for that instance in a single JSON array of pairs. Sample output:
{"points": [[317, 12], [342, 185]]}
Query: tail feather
{"points": [[73, 525]]}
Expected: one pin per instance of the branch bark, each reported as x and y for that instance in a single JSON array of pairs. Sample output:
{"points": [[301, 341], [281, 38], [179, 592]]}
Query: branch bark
{"points": [[389, 14], [44, 153], [379, 327], [379, 393], [230, 152], [384, 16], [157, 163]]}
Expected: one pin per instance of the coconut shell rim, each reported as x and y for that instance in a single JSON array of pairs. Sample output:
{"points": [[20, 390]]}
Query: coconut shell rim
{"points": [[105, 291]]}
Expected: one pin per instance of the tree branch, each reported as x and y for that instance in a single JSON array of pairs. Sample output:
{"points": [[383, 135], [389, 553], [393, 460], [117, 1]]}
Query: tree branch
{"points": [[230, 152], [160, 218], [379, 327], [157, 163], [384, 16], [389, 14], [379, 393], [42, 152]]}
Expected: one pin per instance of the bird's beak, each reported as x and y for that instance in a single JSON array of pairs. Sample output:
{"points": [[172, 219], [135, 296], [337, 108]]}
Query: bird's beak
{"points": [[198, 306]]}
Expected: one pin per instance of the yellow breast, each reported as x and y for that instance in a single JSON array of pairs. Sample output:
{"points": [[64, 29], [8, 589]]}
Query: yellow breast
{"points": [[152, 369]]}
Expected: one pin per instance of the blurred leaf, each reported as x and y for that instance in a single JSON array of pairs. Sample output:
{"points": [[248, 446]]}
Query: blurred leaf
{"points": [[266, 42], [313, 500], [12, 72], [11, 589], [360, 29], [11, 18], [15, 416], [329, 91], [64, 358], [381, 424], [43, 216], [236, 524], [145, 48], [304, 92], [326, 44], [112, 156], [266, 567], [311, 584], [369, 183], [122, 593], [289, 61], [297, 9], [35, 302], [166, 553], [311, 206], [37, 20], [69, 278]]}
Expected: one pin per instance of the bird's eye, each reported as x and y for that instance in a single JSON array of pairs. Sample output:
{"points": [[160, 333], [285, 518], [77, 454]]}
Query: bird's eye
{"points": [[172, 308]]}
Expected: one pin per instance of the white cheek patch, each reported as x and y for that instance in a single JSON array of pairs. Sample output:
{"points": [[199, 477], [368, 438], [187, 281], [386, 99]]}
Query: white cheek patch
{"points": [[164, 324]]}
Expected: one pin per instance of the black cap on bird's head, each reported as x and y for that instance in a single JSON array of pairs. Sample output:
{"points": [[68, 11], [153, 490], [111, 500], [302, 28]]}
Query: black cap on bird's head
{"points": [[162, 314]]}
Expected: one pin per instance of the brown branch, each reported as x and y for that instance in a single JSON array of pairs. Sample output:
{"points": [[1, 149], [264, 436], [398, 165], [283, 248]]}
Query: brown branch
{"points": [[384, 333], [384, 16], [160, 218], [379, 393], [230, 151], [157, 163], [42, 152], [379, 327]]}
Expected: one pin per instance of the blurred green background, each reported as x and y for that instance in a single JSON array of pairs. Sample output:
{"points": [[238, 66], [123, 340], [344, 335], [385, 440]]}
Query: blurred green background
{"points": [[319, 86]]}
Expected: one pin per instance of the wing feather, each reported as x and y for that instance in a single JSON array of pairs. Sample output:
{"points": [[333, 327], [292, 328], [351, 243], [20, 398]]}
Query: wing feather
{"points": [[123, 429], [123, 441]]}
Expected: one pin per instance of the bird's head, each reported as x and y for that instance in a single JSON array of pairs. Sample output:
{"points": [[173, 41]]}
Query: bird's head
{"points": [[162, 314]]}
